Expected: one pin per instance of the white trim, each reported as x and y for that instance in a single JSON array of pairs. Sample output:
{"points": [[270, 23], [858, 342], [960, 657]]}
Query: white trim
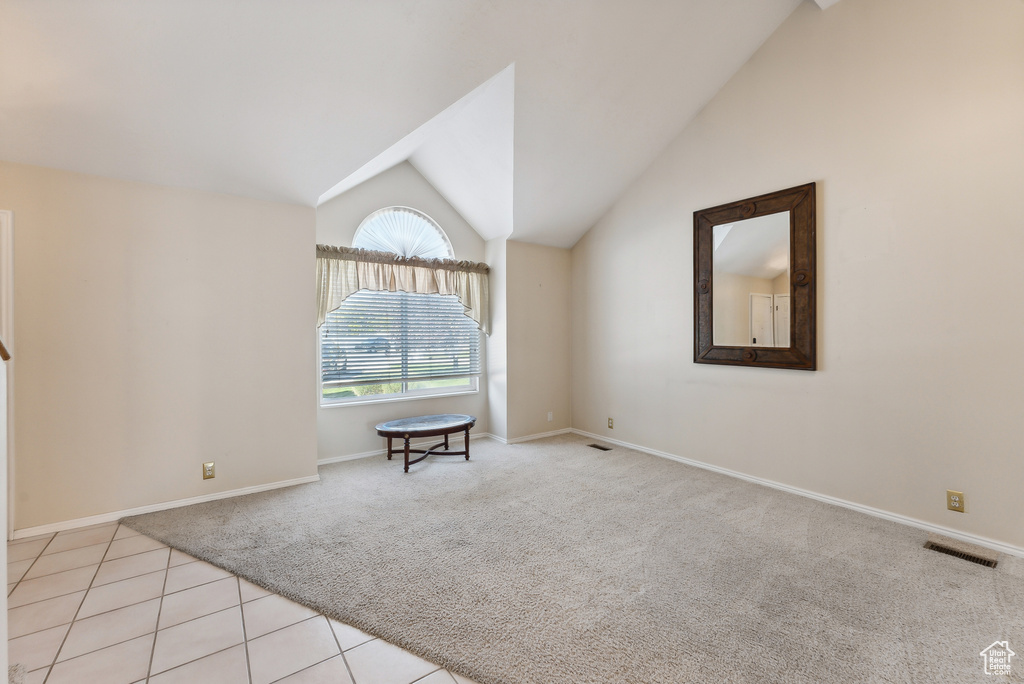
{"points": [[1008, 549], [496, 438], [429, 393], [383, 452], [7, 332], [117, 515], [539, 435]]}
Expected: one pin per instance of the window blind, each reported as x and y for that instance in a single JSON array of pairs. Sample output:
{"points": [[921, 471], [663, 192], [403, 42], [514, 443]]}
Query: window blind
{"points": [[377, 337]]}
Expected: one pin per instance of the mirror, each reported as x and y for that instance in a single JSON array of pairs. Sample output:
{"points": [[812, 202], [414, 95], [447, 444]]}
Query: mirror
{"points": [[750, 271], [754, 275]]}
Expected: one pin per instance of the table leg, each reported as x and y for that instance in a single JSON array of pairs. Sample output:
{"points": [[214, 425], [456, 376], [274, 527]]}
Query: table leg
{"points": [[389, 448], [446, 441], [467, 444], [407, 453]]}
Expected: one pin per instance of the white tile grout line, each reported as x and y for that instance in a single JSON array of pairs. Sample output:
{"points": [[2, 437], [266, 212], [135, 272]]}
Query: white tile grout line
{"points": [[91, 586], [176, 667], [19, 582], [159, 610], [86, 592], [245, 637], [245, 641], [29, 568], [319, 662], [156, 630], [344, 660], [68, 593], [77, 610], [431, 673], [188, 662], [57, 553]]}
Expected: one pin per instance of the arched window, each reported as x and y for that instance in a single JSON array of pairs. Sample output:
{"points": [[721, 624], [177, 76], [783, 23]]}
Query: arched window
{"points": [[404, 231], [390, 345]]}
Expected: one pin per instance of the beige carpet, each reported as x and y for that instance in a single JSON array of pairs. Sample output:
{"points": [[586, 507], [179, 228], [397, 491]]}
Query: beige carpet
{"points": [[550, 562]]}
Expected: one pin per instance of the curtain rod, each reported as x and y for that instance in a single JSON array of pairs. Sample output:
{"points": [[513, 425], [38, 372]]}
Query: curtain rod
{"points": [[372, 256]]}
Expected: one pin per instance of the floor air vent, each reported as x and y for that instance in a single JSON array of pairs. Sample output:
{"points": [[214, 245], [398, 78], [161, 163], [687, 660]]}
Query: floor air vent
{"points": [[599, 447], [987, 562]]}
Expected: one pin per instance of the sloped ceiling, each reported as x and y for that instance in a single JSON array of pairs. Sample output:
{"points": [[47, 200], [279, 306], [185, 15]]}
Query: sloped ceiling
{"points": [[465, 152], [284, 100]]}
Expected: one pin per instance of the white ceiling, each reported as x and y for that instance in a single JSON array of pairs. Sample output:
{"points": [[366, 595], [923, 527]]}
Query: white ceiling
{"points": [[283, 100], [756, 247], [465, 152]]}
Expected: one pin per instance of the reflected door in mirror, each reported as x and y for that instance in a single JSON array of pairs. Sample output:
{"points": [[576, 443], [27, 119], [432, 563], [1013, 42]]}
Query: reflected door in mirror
{"points": [[781, 317]]}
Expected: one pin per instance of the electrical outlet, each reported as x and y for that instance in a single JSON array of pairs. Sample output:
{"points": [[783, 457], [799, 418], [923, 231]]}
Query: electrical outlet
{"points": [[551, 416], [955, 501], [611, 424], [208, 470]]}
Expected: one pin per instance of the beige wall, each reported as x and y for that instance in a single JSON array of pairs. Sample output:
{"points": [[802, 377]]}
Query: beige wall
{"points": [[348, 430], [158, 328], [538, 338], [731, 293], [908, 116], [781, 284]]}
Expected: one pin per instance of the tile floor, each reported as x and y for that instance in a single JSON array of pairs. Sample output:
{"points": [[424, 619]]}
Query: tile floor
{"points": [[106, 605]]}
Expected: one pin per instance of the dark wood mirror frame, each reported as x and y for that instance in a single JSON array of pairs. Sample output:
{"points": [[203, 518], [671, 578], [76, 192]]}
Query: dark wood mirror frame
{"points": [[802, 352]]}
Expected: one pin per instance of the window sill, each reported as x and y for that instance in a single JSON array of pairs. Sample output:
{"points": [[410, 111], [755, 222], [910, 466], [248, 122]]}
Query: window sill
{"points": [[394, 398]]}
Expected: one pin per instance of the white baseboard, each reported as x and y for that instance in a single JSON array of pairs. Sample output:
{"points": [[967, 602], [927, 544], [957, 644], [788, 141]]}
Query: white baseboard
{"points": [[117, 515], [1008, 549], [539, 435], [381, 452]]}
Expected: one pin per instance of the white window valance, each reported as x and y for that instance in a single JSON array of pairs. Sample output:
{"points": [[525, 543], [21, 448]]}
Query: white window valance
{"points": [[343, 271]]}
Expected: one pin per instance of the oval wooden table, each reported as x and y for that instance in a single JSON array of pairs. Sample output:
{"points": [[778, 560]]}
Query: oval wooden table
{"points": [[426, 426]]}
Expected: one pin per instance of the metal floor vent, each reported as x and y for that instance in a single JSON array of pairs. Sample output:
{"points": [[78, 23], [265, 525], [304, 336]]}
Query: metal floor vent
{"points": [[960, 554], [599, 447]]}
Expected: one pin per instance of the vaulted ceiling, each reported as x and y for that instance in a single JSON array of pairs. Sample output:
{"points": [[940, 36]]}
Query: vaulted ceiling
{"points": [[285, 100]]}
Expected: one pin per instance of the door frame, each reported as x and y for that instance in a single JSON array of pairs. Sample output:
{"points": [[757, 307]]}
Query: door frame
{"points": [[7, 331], [750, 319], [775, 318]]}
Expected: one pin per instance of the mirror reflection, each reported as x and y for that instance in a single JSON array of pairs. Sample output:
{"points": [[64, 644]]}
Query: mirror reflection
{"points": [[750, 282]]}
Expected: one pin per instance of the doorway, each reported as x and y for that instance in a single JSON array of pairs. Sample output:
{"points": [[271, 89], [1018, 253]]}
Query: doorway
{"points": [[762, 328], [781, 320]]}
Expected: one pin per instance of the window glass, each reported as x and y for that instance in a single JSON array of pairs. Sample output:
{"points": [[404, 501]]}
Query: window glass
{"points": [[405, 232], [380, 345]]}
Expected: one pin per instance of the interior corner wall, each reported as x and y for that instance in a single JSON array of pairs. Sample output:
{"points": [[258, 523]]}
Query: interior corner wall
{"points": [[497, 341], [157, 328], [539, 309], [347, 430], [908, 116]]}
